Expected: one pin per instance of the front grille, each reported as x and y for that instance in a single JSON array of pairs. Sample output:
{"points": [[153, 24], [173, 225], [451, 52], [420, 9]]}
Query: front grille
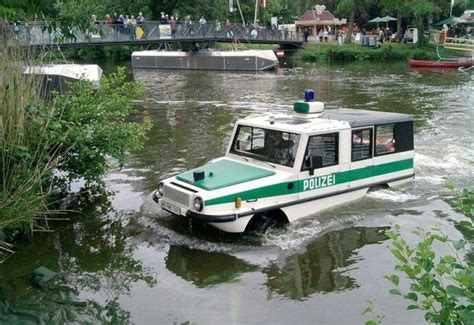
{"points": [[177, 196]]}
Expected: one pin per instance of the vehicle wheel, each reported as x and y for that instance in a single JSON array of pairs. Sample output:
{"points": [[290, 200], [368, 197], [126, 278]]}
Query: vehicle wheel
{"points": [[262, 223]]}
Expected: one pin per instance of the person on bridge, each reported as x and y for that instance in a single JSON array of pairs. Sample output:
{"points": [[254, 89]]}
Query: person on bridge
{"points": [[203, 26], [228, 29], [217, 27], [188, 26], [174, 27], [133, 28], [141, 23], [108, 21]]}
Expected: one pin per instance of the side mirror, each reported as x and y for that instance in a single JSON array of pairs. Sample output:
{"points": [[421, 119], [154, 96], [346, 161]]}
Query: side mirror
{"points": [[315, 162]]}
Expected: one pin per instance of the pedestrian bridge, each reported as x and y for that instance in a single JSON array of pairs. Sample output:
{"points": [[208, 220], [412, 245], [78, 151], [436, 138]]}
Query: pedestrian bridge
{"points": [[39, 34]]}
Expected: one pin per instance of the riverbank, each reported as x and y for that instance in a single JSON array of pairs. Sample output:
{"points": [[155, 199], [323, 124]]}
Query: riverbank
{"points": [[386, 52]]}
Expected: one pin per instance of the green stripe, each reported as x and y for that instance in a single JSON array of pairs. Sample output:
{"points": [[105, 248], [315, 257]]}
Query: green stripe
{"points": [[342, 177], [301, 107]]}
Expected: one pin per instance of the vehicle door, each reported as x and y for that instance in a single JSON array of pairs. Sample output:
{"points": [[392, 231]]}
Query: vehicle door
{"points": [[320, 165]]}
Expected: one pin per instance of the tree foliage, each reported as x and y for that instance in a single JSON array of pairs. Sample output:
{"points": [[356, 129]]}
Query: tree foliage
{"points": [[65, 14], [93, 125], [48, 143], [442, 286]]}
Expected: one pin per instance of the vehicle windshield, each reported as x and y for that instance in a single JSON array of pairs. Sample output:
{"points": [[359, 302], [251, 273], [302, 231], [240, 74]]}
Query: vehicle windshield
{"points": [[274, 146]]}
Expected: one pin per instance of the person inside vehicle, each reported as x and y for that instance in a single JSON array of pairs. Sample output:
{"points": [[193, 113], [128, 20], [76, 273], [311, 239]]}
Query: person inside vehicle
{"points": [[279, 150]]}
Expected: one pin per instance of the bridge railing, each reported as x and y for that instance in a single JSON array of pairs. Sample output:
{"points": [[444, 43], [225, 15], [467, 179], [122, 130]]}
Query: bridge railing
{"points": [[39, 33]]}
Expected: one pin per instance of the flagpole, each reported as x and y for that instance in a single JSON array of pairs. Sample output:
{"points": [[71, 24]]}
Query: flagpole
{"points": [[241, 15], [256, 12]]}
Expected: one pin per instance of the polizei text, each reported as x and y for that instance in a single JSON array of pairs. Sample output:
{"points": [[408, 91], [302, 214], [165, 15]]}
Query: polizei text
{"points": [[319, 182]]}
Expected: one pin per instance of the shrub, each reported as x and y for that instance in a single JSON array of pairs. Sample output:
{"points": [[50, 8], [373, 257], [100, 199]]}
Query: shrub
{"points": [[442, 286], [71, 133]]}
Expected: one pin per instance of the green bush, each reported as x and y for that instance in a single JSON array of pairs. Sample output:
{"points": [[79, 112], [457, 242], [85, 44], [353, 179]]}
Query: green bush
{"points": [[73, 134], [441, 286], [93, 125]]}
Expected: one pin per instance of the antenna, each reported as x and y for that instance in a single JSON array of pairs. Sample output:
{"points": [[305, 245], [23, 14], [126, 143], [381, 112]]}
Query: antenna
{"points": [[329, 86], [329, 80]]}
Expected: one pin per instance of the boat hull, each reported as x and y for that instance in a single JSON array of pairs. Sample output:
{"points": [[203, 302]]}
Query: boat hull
{"points": [[250, 60], [440, 64]]}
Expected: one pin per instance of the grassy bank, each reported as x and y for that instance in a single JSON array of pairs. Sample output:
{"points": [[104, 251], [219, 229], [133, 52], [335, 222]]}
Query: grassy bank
{"points": [[386, 52]]}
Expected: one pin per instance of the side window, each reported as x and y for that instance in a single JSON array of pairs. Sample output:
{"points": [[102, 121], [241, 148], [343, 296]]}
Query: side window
{"points": [[326, 146], [361, 144], [384, 139]]}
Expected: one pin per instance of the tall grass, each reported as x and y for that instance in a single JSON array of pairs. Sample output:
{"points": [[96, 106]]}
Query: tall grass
{"points": [[27, 159]]}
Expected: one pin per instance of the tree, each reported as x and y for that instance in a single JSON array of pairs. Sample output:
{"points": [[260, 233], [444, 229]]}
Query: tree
{"points": [[352, 7], [401, 8], [422, 10]]}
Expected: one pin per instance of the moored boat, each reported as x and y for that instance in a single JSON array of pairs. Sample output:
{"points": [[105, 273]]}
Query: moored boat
{"points": [[246, 60], [440, 64]]}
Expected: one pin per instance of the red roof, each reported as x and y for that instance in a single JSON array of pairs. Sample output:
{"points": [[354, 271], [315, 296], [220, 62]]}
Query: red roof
{"points": [[313, 15]]}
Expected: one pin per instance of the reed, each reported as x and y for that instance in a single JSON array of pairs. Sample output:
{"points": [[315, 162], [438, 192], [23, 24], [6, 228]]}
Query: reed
{"points": [[27, 159]]}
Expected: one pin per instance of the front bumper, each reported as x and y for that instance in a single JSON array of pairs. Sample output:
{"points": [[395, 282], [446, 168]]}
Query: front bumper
{"points": [[201, 216], [211, 218]]}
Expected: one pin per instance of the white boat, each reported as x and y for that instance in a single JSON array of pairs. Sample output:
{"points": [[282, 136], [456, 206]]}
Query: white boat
{"points": [[90, 72], [248, 60], [279, 168]]}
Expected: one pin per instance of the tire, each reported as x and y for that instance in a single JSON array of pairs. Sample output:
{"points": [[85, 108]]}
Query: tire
{"points": [[262, 223]]}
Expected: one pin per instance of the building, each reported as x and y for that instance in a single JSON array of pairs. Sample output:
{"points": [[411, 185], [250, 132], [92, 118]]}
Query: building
{"points": [[319, 18]]}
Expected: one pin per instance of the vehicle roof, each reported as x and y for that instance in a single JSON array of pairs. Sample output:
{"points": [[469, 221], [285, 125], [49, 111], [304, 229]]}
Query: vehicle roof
{"points": [[359, 117], [331, 119]]}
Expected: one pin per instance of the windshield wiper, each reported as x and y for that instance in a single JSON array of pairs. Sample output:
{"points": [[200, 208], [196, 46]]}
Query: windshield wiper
{"points": [[268, 164]]}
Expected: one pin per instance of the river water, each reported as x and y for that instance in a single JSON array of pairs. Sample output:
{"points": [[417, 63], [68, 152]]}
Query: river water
{"points": [[123, 260]]}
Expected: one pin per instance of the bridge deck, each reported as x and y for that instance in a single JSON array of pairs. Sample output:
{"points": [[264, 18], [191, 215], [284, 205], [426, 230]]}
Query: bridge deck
{"points": [[37, 35]]}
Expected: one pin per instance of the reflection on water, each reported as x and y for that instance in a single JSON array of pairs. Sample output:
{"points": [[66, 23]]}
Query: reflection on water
{"points": [[321, 267], [44, 279], [323, 264], [204, 268]]}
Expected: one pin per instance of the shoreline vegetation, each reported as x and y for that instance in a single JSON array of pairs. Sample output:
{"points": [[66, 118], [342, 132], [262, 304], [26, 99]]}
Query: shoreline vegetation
{"points": [[47, 142], [386, 52], [313, 52]]}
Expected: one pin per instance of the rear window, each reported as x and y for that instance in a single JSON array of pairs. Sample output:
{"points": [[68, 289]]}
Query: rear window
{"points": [[391, 138]]}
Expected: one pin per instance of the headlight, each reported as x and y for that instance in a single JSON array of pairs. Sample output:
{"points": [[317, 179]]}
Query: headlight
{"points": [[160, 189], [198, 204]]}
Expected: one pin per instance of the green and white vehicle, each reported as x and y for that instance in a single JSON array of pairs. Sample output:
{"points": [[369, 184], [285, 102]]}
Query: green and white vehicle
{"points": [[283, 167]]}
